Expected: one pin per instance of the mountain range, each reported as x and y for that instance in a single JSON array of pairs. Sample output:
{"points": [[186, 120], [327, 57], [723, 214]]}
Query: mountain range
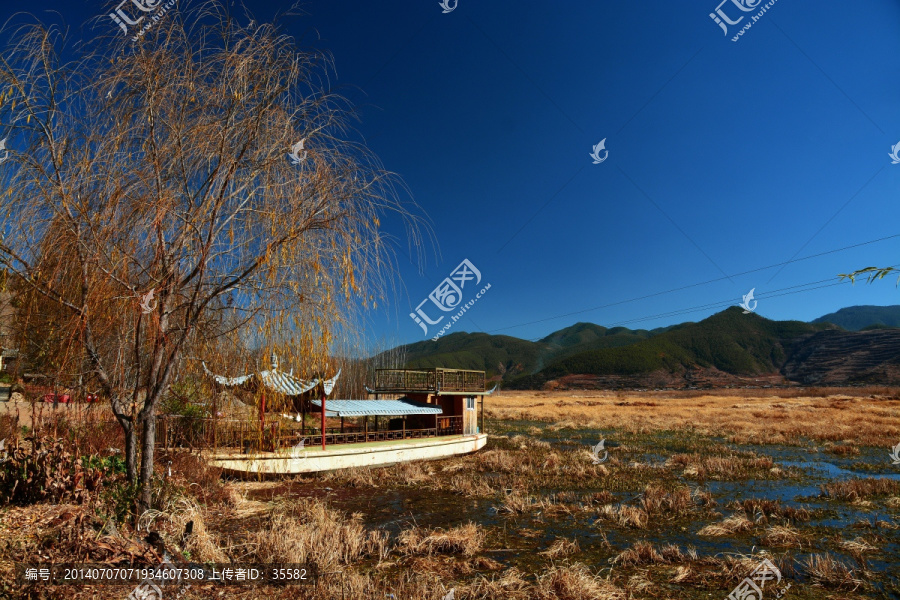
{"points": [[855, 345]]}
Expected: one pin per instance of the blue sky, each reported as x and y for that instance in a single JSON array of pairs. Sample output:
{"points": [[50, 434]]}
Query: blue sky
{"points": [[724, 156]]}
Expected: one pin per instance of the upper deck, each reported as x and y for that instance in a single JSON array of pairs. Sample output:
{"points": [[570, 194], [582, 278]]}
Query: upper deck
{"points": [[434, 381]]}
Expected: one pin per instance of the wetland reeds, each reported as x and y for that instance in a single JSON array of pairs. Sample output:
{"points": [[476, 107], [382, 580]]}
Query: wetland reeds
{"points": [[826, 571], [466, 540], [310, 532], [561, 547], [575, 582], [860, 489]]}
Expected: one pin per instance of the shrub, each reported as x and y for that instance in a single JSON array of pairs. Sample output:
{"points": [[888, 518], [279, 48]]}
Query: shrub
{"points": [[44, 469]]}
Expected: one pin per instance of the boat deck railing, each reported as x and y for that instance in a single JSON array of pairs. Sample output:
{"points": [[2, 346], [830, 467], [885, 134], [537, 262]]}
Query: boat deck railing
{"points": [[174, 431], [428, 380]]}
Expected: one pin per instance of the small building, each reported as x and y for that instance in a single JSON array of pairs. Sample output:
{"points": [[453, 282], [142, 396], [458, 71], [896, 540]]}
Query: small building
{"points": [[457, 392], [9, 358]]}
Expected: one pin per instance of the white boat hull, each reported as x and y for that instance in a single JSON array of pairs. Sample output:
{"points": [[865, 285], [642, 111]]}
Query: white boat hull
{"points": [[345, 456]]}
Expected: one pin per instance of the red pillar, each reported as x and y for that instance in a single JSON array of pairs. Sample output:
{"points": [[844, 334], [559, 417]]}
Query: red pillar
{"points": [[323, 419]]}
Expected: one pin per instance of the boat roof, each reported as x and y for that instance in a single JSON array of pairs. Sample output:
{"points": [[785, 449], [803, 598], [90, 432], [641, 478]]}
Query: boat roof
{"points": [[364, 408], [275, 380]]}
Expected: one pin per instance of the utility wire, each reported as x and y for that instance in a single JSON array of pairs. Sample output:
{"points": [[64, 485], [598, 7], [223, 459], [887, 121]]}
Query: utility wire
{"points": [[787, 291], [693, 285]]}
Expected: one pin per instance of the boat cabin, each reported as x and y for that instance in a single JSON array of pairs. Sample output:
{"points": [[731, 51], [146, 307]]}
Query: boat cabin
{"points": [[282, 411]]}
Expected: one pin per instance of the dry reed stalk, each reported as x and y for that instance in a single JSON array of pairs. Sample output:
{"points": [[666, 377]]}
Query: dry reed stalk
{"points": [[825, 571], [860, 489], [782, 536], [797, 414], [511, 584], [561, 547], [857, 547], [643, 553], [311, 532], [730, 526], [466, 540], [576, 582]]}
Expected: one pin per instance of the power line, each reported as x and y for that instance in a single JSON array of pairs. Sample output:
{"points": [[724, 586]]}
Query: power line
{"points": [[787, 291], [693, 285]]}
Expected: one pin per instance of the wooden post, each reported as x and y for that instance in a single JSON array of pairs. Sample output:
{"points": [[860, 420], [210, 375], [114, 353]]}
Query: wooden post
{"points": [[366, 425], [216, 421], [262, 410], [404, 428], [303, 402], [481, 428], [342, 424]]}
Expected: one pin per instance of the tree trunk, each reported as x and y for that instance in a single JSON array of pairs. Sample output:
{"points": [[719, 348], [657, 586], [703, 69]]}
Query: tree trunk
{"points": [[148, 445], [130, 451]]}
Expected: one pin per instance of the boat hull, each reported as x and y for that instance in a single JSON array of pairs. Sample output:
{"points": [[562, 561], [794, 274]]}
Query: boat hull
{"points": [[346, 456]]}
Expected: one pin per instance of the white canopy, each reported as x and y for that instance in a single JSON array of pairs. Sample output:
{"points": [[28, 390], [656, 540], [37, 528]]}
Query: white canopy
{"points": [[275, 380]]}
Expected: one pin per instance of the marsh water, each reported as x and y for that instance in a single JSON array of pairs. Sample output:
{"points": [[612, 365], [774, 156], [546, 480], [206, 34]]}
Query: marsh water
{"points": [[514, 540]]}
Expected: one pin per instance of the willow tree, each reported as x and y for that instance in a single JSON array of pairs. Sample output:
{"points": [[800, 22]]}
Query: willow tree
{"points": [[150, 187]]}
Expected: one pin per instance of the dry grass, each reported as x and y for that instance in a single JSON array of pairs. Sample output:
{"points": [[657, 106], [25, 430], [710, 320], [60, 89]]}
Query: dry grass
{"points": [[784, 537], [309, 531], [575, 582], [171, 524], [860, 489], [852, 416], [656, 504], [842, 450], [510, 584], [725, 468], [730, 526], [857, 547], [643, 553], [561, 547], [761, 510], [466, 540], [825, 571]]}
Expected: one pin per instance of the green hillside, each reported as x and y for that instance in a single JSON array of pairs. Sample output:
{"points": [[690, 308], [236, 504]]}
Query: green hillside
{"points": [[509, 356], [857, 318], [496, 354], [729, 341]]}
